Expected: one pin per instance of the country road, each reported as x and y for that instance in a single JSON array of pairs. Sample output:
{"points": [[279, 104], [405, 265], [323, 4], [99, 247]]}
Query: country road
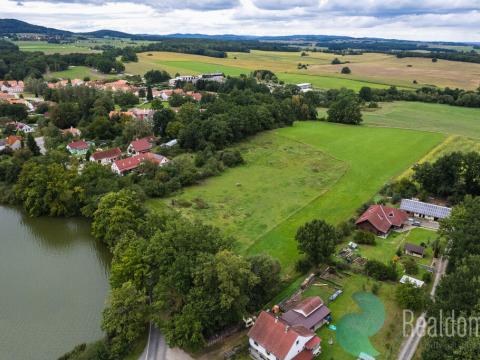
{"points": [[157, 348], [409, 347]]}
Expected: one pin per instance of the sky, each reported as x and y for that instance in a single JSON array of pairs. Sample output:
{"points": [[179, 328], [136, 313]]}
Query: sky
{"points": [[431, 20]]}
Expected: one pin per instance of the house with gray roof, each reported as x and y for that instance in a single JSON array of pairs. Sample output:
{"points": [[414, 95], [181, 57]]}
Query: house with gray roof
{"points": [[310, 313], [425, 210]]}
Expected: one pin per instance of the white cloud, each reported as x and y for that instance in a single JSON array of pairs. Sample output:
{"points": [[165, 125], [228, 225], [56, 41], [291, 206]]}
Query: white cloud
{"points": [[406, 19]]}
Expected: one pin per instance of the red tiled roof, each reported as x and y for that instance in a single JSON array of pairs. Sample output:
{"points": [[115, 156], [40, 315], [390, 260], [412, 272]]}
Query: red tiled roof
{"points": [[383, 218], [12, 139], [141, 145], [135, 161], [312, 343], [274, 335], [107, 154], [78, 145]]}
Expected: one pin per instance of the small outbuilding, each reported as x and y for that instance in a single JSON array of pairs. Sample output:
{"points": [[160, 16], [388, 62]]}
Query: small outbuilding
{"points": [[414, 250], [410, 280]]}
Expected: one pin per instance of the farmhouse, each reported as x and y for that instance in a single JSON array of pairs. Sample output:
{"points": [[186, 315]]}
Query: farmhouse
{"points": [[274, 339], [310, 313], [425, 210], [125, 165], [414, 250], [140, 146], [106, 156], [79, 147], [380, 219]]}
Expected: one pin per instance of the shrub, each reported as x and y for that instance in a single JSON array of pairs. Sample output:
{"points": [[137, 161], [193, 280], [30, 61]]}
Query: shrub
{"points": [[363, 237], [303, 265], [346, 70], [410, 265], [380, 271], [375, 288], [231, 158], [427, 277], [410, 297]]}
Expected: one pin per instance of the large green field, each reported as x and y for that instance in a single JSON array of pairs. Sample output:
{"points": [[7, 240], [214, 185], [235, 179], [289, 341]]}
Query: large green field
{"points": [[427, 117], [79, 72], [311, 170]]}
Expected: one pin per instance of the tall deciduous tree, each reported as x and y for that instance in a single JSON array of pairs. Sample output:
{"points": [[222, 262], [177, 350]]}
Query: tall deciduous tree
{"points": [[317, 239], [345, 109]]}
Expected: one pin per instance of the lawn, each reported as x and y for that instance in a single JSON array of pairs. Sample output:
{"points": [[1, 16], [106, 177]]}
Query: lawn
{"points": [[293, 175], [245, 201], [387, 341], [79, 72], [373, 156], [426, 117]]}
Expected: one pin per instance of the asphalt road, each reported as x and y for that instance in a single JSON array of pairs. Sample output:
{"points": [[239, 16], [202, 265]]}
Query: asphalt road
{"points": [[156, 348], [410, 346]]}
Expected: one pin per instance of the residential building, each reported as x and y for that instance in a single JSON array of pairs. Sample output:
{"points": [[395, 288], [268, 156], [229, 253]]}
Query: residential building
{"points": [[19, 126], [305, 87], [310, 313], [425, 210], [414, 250], [140, 146], [12, 86], [14, 142], [123, 166], [106, 157], [142, 114], [380, 219], [217, 76], [169, 143], [271, 338], [184, 78], [79, 147], [72, 131]]}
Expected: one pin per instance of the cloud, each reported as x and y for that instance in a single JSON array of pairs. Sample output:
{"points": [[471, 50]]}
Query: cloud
{"points": [[404, 19]]}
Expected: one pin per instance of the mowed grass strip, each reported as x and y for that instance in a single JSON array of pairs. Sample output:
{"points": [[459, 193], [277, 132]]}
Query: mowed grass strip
{"points": [[373, 155], [427, 117], [280, 176]]}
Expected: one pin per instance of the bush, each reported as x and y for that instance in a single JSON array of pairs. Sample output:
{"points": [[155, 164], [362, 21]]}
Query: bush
{"points": [[231, 158], [410, 297], [363, 237], [380, 271], [410, 265], [427, 277], [346, 70], [303, 265], [375, 288], [345, 228]]}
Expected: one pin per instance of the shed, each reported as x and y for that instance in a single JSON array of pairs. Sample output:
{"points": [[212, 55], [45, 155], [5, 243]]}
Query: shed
{"points": [[414, 250]]}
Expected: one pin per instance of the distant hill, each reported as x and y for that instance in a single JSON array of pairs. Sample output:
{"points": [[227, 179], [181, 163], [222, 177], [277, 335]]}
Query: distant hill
{"points": [[13, 26]]}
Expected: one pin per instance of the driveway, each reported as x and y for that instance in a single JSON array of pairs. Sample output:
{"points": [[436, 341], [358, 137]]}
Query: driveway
{"points": [[157, 348]]}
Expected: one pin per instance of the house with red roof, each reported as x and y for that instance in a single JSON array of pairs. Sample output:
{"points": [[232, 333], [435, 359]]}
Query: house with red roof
{"points": [[272, 338], [106, 157], [140, 146], [123, 166], [310, 313], [79, 147], [380, 219], [14, 142], [72, 131]]}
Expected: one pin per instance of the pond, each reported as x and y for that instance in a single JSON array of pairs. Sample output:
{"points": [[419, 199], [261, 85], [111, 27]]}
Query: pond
{"points": [[53, 281]]}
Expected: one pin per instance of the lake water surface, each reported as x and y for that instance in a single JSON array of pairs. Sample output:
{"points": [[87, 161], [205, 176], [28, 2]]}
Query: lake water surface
{"points": [[53, 285]]}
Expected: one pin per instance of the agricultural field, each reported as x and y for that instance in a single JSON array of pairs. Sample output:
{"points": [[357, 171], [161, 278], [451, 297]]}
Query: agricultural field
{"points": [[79, 72], [369, 69], [311, 170], [78, 46], [454, 120]]}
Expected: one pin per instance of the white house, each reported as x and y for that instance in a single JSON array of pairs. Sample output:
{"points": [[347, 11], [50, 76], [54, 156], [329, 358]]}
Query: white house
{"points": [[272, 338], [184, 78], [305, 87]]}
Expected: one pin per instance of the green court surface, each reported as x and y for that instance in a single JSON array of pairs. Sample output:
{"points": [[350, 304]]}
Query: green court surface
{"points": [[354, 330]]}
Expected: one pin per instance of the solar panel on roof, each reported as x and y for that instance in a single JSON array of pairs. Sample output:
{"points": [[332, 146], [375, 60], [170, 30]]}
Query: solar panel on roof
{"points": [[423, 208]]}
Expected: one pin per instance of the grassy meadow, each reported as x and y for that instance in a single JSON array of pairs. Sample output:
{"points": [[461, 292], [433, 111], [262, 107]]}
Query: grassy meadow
{"points": [[79, 72], [293, 175], [78, 46]]}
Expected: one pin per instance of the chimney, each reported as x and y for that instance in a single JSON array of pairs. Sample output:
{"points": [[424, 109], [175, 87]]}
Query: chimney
{"points": [[276, 319], [286, 328]]}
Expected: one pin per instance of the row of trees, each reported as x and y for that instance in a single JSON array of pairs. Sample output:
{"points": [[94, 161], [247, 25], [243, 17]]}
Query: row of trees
{"points": [[181, 275]]}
